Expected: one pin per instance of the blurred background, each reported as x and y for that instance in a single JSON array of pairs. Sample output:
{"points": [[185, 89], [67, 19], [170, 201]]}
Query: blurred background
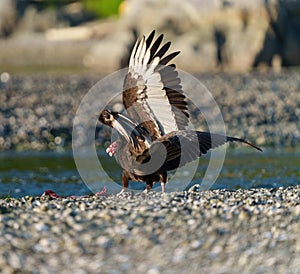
{"points": [[230, 35], [247, 53]]}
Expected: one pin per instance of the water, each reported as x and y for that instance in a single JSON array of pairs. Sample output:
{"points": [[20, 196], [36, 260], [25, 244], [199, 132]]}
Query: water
{"points": [[31, 173]]}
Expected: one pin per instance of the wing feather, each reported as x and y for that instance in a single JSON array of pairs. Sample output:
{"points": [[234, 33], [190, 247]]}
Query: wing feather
{"points": [[153, 89], [150, 38], [156, 45], [163, 50], [132, 56], [168, 58], [139, 51], [184, 146]]}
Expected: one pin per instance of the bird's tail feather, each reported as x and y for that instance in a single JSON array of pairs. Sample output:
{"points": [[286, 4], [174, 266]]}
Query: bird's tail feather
{"points": [[234, 139]]}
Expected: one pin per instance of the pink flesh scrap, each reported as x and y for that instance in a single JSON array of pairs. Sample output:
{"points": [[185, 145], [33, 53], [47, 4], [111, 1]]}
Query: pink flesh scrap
{"points": [[52, 194], [111, 150]]}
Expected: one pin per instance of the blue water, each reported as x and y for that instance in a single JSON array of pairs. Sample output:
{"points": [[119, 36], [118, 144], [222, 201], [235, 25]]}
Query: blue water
{"points": [[31, 173]]}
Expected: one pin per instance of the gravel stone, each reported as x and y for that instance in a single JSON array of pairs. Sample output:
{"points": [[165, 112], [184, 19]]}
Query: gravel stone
{"points": [[37, 111], [215, 231]]}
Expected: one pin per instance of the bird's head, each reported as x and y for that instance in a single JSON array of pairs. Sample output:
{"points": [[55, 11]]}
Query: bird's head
{"points": [[107, 117], [121, 123]]}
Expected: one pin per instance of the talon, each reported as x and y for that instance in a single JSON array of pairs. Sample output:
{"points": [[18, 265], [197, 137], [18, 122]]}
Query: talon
{"points": [[148, 188], [122, 191]]}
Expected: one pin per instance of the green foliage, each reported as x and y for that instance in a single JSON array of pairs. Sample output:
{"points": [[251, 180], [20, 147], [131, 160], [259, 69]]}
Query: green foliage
{"points": [[102, 8]]}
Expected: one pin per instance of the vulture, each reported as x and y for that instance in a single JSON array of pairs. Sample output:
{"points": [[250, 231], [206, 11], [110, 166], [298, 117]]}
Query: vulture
{"points": [[153, 138]]}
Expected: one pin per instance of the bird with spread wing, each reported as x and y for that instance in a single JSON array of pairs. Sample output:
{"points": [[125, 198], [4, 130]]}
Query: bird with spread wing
{"points": [[153, 136]]}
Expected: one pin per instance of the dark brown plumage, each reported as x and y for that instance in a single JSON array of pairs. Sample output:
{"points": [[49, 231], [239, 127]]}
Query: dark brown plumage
{"points": [[154, 137]]}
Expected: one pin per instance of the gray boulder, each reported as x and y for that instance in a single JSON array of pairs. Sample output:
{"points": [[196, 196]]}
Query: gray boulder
{"points": [[234, 35], [7, 17], [210, 34]]}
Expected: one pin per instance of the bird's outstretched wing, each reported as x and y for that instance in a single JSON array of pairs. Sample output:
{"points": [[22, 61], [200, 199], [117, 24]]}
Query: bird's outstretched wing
{"points": [[152, 92], [185, 146]]}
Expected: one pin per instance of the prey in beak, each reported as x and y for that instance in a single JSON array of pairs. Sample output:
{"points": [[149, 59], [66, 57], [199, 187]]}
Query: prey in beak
{"points": [[123, 125]]}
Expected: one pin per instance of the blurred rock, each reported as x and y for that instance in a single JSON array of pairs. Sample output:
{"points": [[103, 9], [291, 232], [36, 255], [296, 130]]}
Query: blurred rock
{"points": [[228, 35], [282, 36], [290, 26], [83, 32], [7, 17], [210, 34], [75, 14], [37, 21], [107, 54]]}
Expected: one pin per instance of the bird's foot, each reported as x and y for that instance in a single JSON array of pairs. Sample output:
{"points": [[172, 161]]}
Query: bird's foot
{"points": [[122, 191], [146, 191], [111, 150]]}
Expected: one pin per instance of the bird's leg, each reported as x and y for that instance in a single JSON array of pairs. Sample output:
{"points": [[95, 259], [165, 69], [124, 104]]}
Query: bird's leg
{"points": [[125, 180], [122, 191], [162, 187], [148, 187], [111, 150], [163, 181]]}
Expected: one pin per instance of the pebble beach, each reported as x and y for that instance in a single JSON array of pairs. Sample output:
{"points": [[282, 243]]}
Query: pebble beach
{"points": [[219, 231], [37, 111], [245, 56], [215, 231]]}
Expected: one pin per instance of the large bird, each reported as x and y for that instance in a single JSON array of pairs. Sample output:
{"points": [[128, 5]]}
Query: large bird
{"points": [[153, 136]]}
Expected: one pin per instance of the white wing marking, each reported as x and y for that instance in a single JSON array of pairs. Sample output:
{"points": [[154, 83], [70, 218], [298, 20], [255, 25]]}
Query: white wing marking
{"points": [[155, 101]]}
